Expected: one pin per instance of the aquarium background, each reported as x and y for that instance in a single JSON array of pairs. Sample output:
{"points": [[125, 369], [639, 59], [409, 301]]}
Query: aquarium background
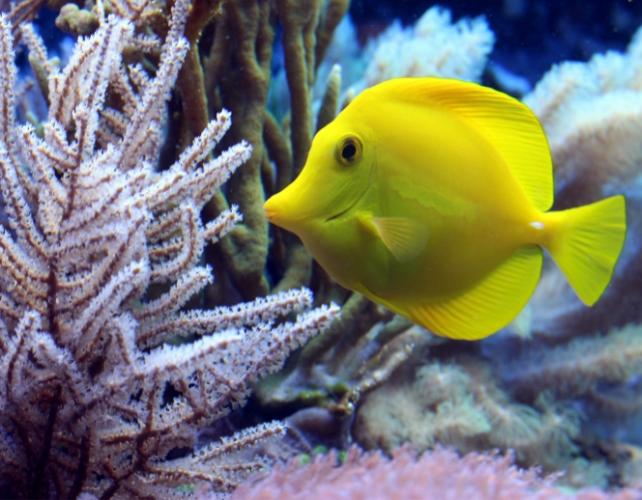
{"points": [[560, 388]]}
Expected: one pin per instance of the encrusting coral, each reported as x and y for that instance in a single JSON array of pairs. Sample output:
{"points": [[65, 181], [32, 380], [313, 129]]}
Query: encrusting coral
{"points": [[91, 400], [575, 369], [460, 405]]}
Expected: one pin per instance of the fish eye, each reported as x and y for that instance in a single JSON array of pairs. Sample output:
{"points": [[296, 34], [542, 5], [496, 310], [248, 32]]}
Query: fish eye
{"points": [[349, 150]]}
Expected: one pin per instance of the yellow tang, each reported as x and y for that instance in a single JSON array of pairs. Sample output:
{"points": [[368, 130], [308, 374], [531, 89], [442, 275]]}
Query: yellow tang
{"points": [[429, 196]]}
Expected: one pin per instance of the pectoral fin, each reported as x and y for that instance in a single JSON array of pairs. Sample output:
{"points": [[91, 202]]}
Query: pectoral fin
{"points": [[406, 238]]}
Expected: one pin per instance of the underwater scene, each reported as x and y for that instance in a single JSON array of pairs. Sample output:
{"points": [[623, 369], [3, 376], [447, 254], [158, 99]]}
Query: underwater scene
{"points": [[305, 249]]}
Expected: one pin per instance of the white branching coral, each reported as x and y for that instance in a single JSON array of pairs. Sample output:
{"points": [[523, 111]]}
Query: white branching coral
{"points": [[591, 113], [91, 400], [434, 46]]}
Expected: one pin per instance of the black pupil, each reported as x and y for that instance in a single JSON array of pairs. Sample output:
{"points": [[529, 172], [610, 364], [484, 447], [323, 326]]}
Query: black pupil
{"points": [[348, 152]]}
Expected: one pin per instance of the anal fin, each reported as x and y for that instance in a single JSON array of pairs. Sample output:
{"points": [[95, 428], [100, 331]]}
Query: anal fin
{"points": [[485, 309]]}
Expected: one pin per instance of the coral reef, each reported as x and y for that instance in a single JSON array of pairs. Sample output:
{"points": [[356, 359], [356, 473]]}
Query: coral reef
{"points": [[460, 405]]}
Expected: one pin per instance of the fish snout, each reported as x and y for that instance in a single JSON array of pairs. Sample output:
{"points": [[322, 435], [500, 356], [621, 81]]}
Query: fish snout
{"points": [[272, 210], [279, 210], [287, 209]]}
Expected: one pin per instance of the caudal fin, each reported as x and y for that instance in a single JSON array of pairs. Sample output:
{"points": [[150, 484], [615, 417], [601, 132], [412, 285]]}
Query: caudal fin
{"points": [[586, 243]]}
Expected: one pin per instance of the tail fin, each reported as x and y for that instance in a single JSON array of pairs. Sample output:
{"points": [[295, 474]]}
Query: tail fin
{"points": [[586, 243]]}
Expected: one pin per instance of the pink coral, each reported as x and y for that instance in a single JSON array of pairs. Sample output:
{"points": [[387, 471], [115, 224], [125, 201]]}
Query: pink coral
{"points": [[440, 474]]}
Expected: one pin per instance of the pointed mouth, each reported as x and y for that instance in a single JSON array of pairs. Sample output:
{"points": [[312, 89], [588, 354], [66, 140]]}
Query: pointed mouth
{"points": [[270, 212], [281, 212]]}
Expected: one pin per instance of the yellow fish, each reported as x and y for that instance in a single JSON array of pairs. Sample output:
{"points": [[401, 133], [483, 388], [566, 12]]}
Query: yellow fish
{"points": [[430, 197]]}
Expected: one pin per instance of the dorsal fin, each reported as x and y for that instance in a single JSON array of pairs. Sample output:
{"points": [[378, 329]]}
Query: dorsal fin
{"points": [[508, 123]]}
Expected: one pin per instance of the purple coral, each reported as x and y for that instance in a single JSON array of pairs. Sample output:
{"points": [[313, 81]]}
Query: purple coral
{"points": [[439, 474]]}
